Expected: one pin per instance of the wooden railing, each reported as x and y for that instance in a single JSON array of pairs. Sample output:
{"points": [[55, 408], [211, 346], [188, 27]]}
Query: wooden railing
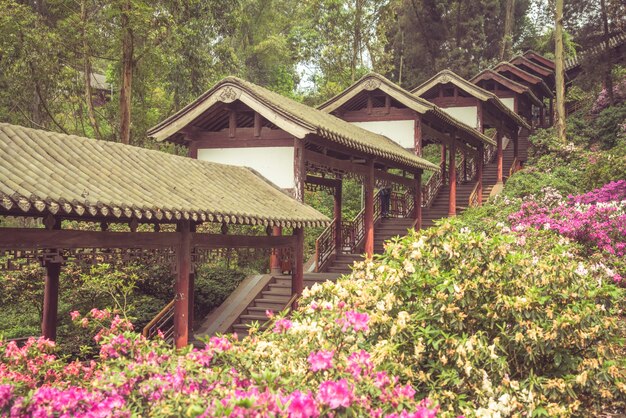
{"points": [[401, 204], [325, 246], [473, 198], [164, 322], [432, 187]]}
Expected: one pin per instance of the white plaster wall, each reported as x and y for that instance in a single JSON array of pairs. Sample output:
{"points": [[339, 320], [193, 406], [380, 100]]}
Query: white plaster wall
{"points": [[509, 102], [400, 131], [274, 163], [466, 114]]}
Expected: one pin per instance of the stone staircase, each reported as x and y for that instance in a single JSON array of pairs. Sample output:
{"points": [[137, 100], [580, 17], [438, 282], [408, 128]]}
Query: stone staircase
{"points": [[274, 296], [440, 205]]}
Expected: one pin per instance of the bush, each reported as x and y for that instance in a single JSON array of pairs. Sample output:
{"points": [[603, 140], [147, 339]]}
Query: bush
{"points": [[213, 285], [487, 324], [609, 126]]}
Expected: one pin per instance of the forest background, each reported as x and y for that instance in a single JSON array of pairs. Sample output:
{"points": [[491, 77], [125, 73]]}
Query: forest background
{"points": [[158, 56]]}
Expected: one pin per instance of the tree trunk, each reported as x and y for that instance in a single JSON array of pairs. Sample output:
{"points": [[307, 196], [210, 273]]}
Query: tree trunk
{"points": [[87, 72], [559, 60], [127, 72], [507, 37], [608, 78]]}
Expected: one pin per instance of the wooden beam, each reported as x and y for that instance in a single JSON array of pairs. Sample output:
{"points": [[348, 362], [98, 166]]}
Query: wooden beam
{"points": [[349, 167], [323, 181], [202, 240], [30, 238], [257, 125], [244, 143], [378, 114], [240, 134], [446, 139]]}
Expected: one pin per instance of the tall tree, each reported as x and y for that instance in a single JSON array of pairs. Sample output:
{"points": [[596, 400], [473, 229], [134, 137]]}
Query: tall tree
{"points": [[507, 36], [559, 59], [128, 62]]}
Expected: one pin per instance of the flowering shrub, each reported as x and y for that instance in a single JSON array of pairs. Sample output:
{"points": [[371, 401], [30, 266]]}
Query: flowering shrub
{"points": [[596, 219], [266, 375], [602, 102], [498, 325]]}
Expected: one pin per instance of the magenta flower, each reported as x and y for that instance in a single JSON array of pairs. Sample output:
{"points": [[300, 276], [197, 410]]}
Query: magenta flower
{"points": [[302, 405], [6, 391], [357, 320], [282, 325], [335, 394], [74, 315], [321, 360], [359, 364]]}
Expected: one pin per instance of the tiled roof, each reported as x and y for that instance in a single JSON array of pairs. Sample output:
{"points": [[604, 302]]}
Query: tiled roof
{"points": [[47, 172], [287, 113], [373, 81], [447, 76]]}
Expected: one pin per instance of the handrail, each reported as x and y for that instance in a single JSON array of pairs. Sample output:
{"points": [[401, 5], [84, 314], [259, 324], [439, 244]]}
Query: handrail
{"points": [[432, 186], [325, 245], [160, 321], [473, 198], [293, 298]]}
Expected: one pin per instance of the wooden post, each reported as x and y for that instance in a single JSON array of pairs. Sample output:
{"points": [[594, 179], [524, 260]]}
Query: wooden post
{"points": [[337, 202], [369, 209], [452, 179], [443, 164], [516, 149], [299, 169], [479, 172], [275, 267], [464, 166], [51, 301], [192, 285], [417, 199], [297, 272], [499, 154], [51, 290], [183, 270], [257, 124], [541, 116], [418, 135]]}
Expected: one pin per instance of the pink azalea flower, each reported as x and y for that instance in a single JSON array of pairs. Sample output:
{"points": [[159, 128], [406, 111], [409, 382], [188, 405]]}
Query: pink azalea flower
{"points": [[335, 394], [321, 360], [357, 320], [282, 325], [74, 315], [302, 405]]}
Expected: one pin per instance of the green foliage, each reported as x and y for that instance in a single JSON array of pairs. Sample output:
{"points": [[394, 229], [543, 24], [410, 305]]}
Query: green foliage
{"points": [[606, 166], [532, 181], [213, 285], [489, 321], [610, 126]]}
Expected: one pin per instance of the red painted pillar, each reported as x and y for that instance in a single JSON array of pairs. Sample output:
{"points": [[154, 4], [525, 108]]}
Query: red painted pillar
{"points": [[299, 169], [183, 270], [499, 154], [369, 209], [192, 287], [337, 216], [480, 116], [275, 267], [51, 301], [297, 272], [443, 164], [417, 196], [479, 173], [452, 180], [418, 135], [516, 149]]}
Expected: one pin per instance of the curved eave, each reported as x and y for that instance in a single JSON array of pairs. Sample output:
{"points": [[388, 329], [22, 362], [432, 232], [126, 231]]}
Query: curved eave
{"points": [[17, 205]]}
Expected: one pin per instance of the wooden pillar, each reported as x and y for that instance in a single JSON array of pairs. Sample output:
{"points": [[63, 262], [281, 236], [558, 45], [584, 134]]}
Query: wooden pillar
{"points": [[275, 267], [299, 169], [417, 202], [418, 136], [369, 210], [479, 172], [51, 290], [452, 179], [516, 149], [51, 301], [192, 287], [541, 116], [183, 271], [464, 166], [337, 202], [297, 272], [480, 122], [443, 164], [499, 153]]}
